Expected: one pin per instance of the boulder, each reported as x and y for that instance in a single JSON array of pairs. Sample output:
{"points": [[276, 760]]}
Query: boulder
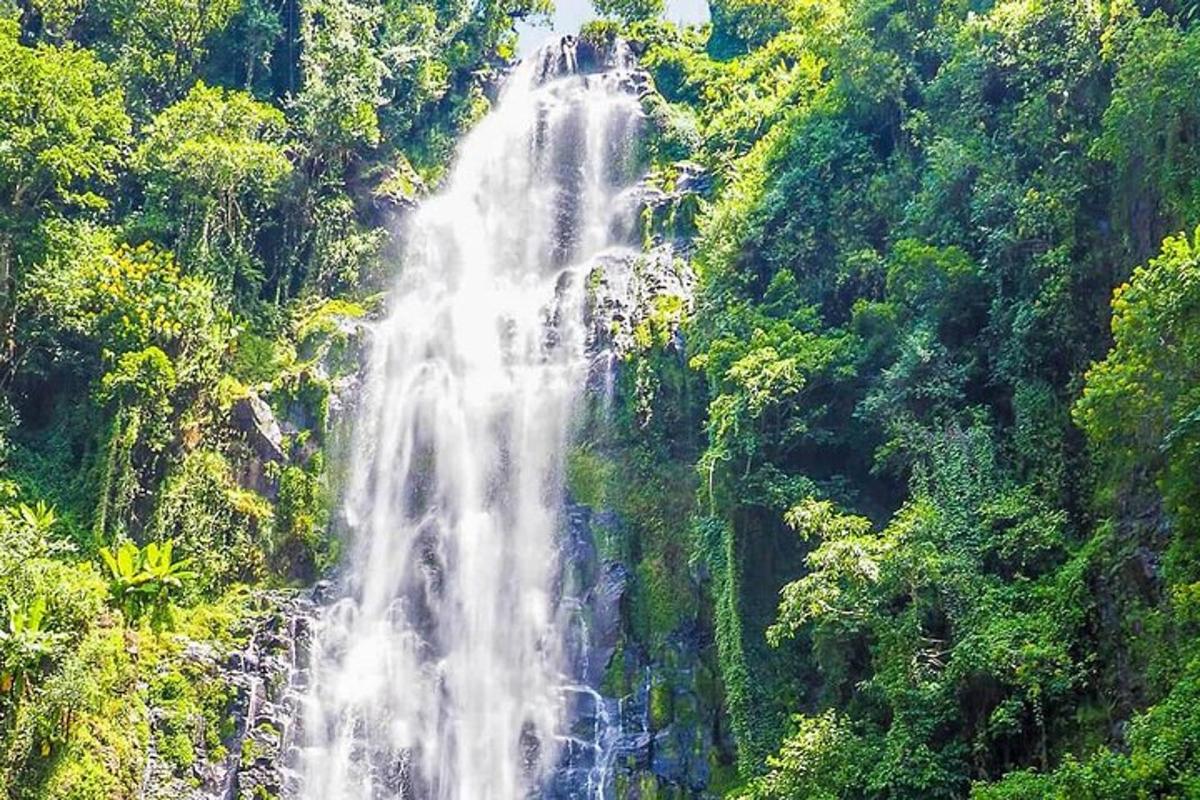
{"points": [[252, 417]]}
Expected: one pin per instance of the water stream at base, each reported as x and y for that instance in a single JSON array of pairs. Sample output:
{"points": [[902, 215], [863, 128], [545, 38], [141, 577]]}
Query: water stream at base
{"points": [[441, 672]]}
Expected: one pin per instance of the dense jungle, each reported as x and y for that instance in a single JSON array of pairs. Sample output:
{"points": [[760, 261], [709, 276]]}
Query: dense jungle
{"points": [[893, 490]]}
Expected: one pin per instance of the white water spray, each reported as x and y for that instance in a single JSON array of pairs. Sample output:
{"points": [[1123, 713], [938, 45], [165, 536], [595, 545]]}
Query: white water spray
{"points": [[440, 673]]}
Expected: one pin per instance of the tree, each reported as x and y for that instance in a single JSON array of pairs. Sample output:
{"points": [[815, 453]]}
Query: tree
{"points": [[1152, 125], [1141, 404], [162, 43], [63, 125], [945, 634], [98, 300], [629, 10], [343, 78], [139, 338], [214, 165]]}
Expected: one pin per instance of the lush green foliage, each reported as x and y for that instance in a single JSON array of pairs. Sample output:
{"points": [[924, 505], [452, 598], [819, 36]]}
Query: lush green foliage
{"points": [[214, 164], [195, 199], [919, 214], [931, 481], [145, 579]]}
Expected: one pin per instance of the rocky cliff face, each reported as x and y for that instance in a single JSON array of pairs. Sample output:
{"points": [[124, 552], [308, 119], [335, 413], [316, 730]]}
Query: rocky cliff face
{"points": [[228, 734], [235, 736], [644, 721]]}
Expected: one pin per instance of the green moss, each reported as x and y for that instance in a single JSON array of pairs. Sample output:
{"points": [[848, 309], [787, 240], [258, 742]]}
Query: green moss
{"points": [[647, 787], [323, 335], [662, 600], [654, 502], [661, 704], [708, 685], [589, 476], [178, 717], [675, 131], [213, 520], [220, 622], [402, 184], [250, 751], [194, 713], [666, 315], [301, 546], [616, 682], [304, 397], [723, 778]]}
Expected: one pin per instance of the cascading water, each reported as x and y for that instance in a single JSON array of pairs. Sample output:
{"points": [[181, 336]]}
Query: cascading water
{"points": [[440, 673]]}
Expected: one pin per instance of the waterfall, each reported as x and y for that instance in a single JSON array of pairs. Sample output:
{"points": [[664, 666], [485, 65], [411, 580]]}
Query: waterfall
{"points": [[440, 671]]}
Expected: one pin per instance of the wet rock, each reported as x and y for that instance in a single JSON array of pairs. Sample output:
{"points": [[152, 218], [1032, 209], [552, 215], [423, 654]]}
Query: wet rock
{"points": [[611, 744], [576, 55], [630, 287], [322, 592], [253, 417], [251, 759], [605, 603], [692, 179]]}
